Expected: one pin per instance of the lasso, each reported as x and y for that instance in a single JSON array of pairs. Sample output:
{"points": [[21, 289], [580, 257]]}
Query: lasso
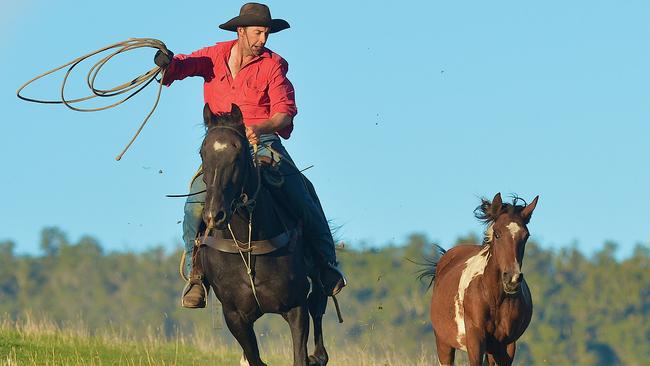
{"points": [[133, 87]]}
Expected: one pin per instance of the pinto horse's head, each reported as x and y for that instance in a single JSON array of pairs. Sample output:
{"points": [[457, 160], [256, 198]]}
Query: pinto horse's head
{"points": [[226, 161], [507, 233]]}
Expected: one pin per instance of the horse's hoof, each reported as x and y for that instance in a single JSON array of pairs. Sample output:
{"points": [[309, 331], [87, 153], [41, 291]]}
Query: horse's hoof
{"points": [[317, 361]]}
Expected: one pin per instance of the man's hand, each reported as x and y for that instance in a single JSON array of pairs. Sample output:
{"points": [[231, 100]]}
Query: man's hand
{"points": [[162, 58], [253, 134], [271, 125]]}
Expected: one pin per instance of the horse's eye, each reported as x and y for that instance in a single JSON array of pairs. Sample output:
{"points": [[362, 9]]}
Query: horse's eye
{"points": [[497, 235]]}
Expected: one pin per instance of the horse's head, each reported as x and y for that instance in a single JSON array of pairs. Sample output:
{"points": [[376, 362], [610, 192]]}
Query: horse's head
{"points": [[226, 162], [506, 235]]}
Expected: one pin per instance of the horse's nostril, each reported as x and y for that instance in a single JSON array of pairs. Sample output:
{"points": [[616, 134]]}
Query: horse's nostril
{"points": [[221, 215]]}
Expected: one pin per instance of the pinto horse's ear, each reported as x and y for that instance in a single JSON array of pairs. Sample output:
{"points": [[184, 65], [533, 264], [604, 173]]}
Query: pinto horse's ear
{"points": [[497, 204], [527, 212], [207, 114], [236, 113]]}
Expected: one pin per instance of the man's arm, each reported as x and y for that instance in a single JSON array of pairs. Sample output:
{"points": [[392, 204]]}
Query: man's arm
{"points": [[198, 63], [272, 125], [283, 105]]}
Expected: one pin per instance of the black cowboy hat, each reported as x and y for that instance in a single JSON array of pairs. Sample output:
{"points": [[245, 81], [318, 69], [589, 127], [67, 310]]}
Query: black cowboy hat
{"points": [[254, 14]]}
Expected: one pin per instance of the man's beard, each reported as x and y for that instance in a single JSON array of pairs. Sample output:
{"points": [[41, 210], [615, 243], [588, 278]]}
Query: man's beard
{"points": [[256, 51]]}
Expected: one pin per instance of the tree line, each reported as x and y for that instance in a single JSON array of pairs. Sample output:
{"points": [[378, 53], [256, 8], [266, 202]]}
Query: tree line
{"points": [[588, 310]]}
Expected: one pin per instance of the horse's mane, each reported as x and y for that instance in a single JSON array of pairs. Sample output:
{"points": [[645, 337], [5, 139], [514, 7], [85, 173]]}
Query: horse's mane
{"points": [[485, 213], [488, 216]]}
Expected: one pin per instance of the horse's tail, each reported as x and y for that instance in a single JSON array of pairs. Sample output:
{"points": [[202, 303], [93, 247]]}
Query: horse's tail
{"points": [[430, 264]]}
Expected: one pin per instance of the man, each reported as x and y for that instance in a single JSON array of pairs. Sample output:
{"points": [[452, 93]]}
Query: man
{"points": [[246, 73]]}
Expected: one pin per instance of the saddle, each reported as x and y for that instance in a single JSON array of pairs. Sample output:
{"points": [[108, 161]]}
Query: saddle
{"points": [[287, 239]]}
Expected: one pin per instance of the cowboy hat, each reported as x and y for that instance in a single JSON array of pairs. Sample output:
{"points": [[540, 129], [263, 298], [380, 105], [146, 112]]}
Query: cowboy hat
{"points": [[255, 14]]}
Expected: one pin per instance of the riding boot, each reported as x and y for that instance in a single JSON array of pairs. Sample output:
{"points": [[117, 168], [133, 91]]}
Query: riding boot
{"points": [[195, 292], [331, 276], [303, 201], [322, 248]]}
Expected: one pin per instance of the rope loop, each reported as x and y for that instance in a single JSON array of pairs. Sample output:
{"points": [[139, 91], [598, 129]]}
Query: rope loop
{"points": [[132, 87]]}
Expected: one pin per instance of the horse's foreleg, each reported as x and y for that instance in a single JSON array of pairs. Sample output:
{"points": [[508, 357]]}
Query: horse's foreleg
{"points": [[475, 341], [504, 355], [446, 353], [490, 360], [242, 330], [298, 319], [317, 303]]}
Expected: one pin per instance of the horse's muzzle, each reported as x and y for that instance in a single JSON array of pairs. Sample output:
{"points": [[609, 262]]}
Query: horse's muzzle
{"points": [[512, 283]]}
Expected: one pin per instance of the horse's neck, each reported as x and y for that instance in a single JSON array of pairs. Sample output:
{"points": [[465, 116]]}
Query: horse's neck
{"points": [[264, 220], [491, 278]]}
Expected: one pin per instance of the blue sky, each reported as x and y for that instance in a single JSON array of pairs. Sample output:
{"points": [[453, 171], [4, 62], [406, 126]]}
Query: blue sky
{"points": [[410, 111]]}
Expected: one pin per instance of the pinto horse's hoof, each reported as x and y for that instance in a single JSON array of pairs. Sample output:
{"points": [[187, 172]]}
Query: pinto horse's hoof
{"points": [[318, 360]]}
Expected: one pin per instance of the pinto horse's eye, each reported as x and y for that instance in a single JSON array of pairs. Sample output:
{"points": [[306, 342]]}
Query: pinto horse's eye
{"points": [[497, 235]]}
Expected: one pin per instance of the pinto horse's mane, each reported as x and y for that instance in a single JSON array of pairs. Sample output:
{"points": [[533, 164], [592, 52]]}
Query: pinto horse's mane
{"points": [[488, 215]]}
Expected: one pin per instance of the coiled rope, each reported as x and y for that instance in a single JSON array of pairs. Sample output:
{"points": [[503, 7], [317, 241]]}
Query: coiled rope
{"points": [[134, 86]]}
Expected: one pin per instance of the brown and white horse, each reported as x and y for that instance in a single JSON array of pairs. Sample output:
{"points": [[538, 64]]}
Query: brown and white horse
{"points": [[480, 302]]}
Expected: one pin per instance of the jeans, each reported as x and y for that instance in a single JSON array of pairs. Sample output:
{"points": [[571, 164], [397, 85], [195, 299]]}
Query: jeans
{"points": [[302, 201]]}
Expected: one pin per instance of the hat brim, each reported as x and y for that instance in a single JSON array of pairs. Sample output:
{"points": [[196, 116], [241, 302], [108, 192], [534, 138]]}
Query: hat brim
{"points": [[274, 25]]}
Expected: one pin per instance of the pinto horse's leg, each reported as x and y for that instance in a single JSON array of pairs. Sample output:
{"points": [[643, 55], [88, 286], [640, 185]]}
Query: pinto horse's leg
{"points": [[446, 353], [242, 330], [490, 360], [317, 303], [298, 319], [475, 346], [504, 355]]}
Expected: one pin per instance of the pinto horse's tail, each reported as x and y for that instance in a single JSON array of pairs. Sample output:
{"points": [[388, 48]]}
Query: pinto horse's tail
{"points": [[430, 264]]}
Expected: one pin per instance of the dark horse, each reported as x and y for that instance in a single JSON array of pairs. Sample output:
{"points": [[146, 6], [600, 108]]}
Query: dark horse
{"points": [[481, 303], [249, 284]]}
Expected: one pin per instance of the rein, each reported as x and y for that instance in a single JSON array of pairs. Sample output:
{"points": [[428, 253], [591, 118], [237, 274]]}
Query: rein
{"points": [[249, 204]]}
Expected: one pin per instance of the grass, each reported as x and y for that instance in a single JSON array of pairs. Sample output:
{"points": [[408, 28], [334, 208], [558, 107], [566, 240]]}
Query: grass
{"points": [[31, 341]]}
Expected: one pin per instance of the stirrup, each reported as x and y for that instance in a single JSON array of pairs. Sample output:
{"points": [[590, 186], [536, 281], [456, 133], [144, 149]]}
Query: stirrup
{"points": [[202, 299]]}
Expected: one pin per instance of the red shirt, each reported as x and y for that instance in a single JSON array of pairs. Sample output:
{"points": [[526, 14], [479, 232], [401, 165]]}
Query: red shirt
{"points": [[260, 89]]}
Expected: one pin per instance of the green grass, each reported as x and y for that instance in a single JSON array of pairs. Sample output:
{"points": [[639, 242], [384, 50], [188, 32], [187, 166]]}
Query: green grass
{"points": [[30, 342], [51, 349], [40, 342]]}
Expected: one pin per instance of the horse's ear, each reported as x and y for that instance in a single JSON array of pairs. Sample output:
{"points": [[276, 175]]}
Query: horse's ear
{"points": [[236, 113], [527, 212], [207, 114], [497, 204]]}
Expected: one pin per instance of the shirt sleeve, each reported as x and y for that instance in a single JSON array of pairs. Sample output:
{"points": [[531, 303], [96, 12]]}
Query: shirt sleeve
{"points": [[198, 63], [281, 93]]}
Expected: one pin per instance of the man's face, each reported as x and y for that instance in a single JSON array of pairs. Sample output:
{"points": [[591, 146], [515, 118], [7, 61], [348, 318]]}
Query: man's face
{"points": [[253, 38]]}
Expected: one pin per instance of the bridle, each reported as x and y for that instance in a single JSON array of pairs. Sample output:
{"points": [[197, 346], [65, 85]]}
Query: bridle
{"points": [[243, 201]]}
